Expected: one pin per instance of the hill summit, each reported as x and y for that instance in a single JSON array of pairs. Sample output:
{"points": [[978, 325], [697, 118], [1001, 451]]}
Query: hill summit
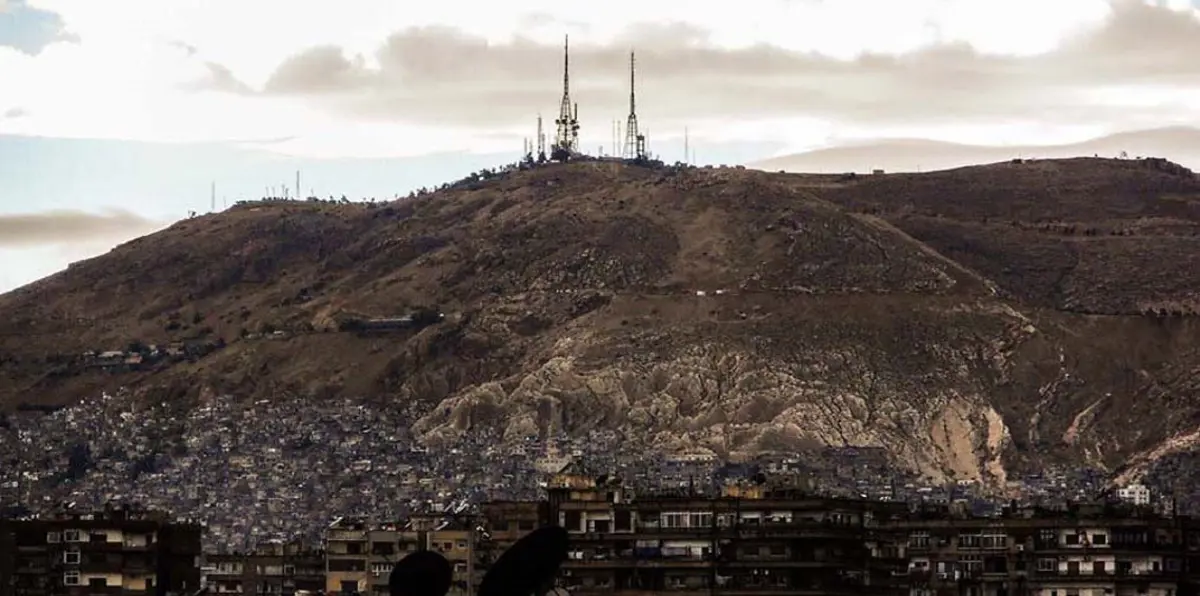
{"points": [[972, 322]]}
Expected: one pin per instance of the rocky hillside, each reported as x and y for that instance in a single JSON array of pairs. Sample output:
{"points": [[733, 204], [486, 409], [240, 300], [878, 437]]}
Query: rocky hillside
{"points": [[973, 321]]}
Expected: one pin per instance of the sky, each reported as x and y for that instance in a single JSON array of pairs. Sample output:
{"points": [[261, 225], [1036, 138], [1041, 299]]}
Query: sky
{"points": [[117, 116]]}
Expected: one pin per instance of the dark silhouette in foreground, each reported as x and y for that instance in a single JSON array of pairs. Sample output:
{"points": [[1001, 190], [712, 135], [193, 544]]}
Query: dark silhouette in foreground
{"points": [[423, 573], [528, 568]]}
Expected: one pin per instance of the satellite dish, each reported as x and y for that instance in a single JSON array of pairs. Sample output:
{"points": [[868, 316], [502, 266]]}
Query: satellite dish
{"points": [[529, 567], [423, 573]]}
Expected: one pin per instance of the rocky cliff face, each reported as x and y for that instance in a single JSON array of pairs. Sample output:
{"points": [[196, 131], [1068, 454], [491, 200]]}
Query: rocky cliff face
{"points": [[972, 322]]}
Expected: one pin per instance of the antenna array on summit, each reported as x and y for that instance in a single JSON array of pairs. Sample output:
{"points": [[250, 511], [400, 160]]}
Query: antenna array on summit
{"points": [[628, 141]]}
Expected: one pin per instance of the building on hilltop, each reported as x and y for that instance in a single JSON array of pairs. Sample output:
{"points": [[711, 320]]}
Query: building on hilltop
{"points": [[115, 552], [1134, 494]]}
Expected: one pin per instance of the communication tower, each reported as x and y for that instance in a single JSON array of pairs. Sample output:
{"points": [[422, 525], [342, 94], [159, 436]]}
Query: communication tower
{"points": [[635, 143], [566, 141]]}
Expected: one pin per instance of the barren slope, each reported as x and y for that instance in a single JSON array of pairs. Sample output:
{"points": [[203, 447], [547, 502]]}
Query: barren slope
{"points": [[724, 309]]}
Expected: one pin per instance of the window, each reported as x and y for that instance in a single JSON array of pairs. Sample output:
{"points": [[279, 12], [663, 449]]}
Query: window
{"points": [[97, 582], [918, 540], [1047, 564], [72, 536], [53, 537], [969, 540], [71, 557], [994, 541], [1099, 539], [289, 570], [461, 544], [1048, 537], [970, 563], [1072, 539], [71, 578]]}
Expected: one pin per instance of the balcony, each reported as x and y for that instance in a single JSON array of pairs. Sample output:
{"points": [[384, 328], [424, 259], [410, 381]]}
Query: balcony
{"points": [[919, 576], [1127, 574], [597, 562]]}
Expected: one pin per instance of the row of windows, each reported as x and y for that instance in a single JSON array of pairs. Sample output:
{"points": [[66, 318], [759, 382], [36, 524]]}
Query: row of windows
{"points": [[923, 539], [95, 536], [73, 578]]}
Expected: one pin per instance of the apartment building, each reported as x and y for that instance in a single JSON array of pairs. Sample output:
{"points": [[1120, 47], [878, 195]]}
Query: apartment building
{"points": [[1087, 551], [276, 569], [359, 558], [751, 540], [115, 552], [504, 523], [346, 554]]}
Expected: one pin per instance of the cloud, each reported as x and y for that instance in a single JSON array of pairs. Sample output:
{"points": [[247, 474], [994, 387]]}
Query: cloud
{"points": [[29, 30], [70, 227], [440, 75], [14, 113], [219, 78]]}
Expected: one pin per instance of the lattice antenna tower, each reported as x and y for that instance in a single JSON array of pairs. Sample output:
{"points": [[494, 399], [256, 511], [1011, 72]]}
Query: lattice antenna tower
{"points": [[635, 143], [567, 134]]}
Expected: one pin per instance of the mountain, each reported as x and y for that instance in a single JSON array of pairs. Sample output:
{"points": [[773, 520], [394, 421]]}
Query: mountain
{"points": [[974, 322], [918, 155]]}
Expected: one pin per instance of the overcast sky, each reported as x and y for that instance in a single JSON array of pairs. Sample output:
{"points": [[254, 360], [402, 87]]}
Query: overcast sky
{"points": [[299, 79]]}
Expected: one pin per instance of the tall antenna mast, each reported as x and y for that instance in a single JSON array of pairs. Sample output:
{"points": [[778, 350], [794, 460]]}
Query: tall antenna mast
{"points": [[568, 118], [686, 154], [541, 142], [635, 143], [616, 151], [213, 197], [298, 185]]}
